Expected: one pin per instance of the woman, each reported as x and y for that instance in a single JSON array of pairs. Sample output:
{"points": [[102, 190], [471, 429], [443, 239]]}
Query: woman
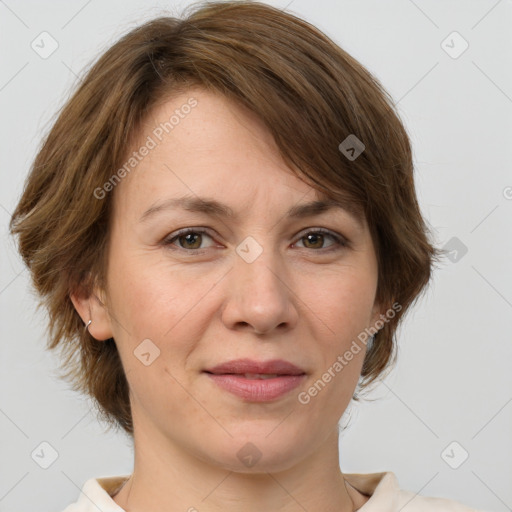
{"points": [[224, 227]]}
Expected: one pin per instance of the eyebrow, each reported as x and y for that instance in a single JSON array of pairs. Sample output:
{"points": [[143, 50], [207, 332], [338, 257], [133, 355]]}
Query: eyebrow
{"points": [[213, 207]]}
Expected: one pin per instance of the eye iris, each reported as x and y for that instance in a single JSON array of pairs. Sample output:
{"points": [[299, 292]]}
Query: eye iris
{"points": [[190, 236], [192, 240], [314, 237]]}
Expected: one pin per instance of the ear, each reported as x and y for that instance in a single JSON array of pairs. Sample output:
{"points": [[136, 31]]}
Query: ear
{"points": [[92, 307]]}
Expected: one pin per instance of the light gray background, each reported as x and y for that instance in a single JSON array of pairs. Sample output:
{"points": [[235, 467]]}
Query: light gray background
{"points": [[453, 380]]}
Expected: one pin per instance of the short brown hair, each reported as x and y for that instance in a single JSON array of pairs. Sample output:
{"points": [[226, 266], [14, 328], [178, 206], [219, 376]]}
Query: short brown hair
{"points": [[310, 94]]}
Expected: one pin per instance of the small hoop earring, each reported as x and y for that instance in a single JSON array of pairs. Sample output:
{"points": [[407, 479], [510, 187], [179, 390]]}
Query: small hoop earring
{"points": [[87, 326]]}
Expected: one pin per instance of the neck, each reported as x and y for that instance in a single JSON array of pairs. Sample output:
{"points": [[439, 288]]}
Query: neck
{"points": [[174, 479]]}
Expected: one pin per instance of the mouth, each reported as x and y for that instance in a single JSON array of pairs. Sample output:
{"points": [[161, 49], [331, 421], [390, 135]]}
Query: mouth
{"points": [[253, 376], [250, 367], [255, 381]]}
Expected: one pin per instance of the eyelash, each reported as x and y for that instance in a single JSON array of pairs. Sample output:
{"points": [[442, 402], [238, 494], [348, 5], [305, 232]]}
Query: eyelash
{"points": [[339, 241]]}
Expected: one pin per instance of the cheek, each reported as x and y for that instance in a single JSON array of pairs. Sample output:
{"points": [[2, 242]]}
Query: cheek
{"points": [[344, 305], [146, 291], [155, 299], [151, 305], [346, 301]]}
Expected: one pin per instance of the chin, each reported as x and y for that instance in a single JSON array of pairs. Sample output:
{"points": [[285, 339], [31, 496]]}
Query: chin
{"points": [[265, 464], [257, 453]]}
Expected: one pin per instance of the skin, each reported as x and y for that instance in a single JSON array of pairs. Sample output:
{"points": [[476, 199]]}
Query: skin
{"points": [[298, 301]]}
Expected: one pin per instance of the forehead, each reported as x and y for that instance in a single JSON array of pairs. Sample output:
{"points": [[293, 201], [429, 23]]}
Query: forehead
{"points": [[208, 153]]}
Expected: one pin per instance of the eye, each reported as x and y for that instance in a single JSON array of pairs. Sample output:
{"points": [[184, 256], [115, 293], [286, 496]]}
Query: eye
{"points": [[188, 239], [315, 239]]}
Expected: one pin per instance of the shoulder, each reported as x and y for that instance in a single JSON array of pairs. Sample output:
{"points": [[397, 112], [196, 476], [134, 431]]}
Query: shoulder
{"points": [[96, 495], [411, 502], [385, 495]]}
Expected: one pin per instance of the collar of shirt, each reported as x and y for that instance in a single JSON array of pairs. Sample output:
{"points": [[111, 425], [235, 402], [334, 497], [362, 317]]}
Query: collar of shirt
{"points": [[382, 487]]}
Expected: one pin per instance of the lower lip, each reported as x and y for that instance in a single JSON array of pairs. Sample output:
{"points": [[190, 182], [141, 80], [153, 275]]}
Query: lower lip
{"points": [[257, 390]]}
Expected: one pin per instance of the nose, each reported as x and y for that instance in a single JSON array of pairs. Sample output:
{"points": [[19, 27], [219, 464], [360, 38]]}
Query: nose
{"points": [[260, 297]]}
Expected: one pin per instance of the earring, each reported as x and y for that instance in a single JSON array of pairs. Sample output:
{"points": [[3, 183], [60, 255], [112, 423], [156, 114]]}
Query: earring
{"points": [[87, 326]]}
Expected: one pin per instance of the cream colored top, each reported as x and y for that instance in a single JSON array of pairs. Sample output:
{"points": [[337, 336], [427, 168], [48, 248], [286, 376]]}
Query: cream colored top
{"points": [[382, 487]]}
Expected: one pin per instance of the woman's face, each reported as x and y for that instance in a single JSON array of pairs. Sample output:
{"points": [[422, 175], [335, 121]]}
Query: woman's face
{"points": [[258, 284]]}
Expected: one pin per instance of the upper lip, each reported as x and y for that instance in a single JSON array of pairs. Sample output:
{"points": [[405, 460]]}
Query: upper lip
{"points": [[241, 366]]}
